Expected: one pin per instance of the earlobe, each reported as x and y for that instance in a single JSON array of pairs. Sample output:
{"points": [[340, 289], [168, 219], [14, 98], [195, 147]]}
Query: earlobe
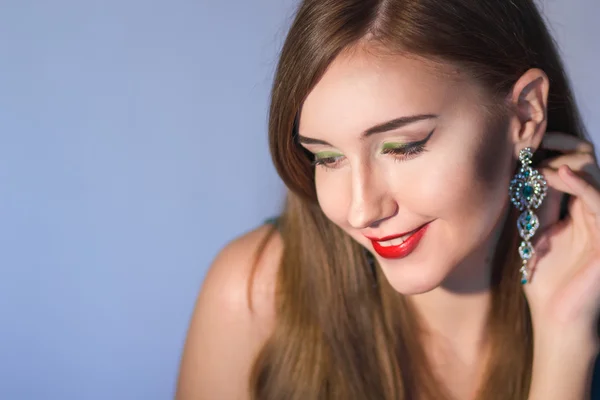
{"points": [[528, 102]]}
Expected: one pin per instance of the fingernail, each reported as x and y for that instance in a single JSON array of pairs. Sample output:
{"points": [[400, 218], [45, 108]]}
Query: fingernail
{"points": [[569, 170]]}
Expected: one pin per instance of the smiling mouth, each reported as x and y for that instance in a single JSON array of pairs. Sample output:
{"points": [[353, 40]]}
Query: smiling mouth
{"points": [[399, 246], [394, 240]]}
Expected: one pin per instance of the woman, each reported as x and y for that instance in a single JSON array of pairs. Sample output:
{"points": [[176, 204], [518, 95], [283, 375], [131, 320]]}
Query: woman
{"points": [[398, 270]]}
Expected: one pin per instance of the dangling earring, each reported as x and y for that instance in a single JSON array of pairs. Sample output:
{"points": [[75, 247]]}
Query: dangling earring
{"points": [[527, 190]]}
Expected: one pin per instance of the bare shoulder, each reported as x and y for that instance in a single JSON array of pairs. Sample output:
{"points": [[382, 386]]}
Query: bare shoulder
{"points": [[225, 332], [236, 267]]}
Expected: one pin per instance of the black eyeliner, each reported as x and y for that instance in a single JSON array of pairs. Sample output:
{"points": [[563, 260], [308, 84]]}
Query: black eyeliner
{"points": [[409, 146]]}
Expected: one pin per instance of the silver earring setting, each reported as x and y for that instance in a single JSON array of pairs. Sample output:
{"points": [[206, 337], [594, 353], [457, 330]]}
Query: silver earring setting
{"points": [[527, 191]]}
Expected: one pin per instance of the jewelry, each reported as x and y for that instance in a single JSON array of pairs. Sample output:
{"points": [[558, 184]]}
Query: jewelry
{"points": [[527, 190]]}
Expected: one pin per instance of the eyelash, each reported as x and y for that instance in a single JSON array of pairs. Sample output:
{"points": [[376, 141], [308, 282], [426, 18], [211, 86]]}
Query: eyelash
{"points": [[405, 153], [402, 153], [327, 162]]}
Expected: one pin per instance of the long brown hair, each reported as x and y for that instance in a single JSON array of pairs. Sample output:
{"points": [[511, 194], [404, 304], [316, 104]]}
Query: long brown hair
{"points": [[342, 332]]}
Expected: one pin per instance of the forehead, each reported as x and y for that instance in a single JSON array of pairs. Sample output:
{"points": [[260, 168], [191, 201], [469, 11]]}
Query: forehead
{"points": [[361, 89]]}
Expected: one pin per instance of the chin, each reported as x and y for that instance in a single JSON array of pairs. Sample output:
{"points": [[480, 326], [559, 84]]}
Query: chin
{"points": [[413, 279]]}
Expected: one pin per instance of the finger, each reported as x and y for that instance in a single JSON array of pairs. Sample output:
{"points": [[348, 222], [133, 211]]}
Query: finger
{"points": [[555, 181], [583, 163], [566, 143], [577, 161], [550, 211], [589, 195], [542, 241], [576, 208]]}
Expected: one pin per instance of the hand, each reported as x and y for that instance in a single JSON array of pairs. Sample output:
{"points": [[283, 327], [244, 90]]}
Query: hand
{"points": [[564, 291]]}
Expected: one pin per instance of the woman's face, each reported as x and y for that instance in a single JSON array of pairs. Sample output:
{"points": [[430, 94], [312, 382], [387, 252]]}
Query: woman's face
{"points": [[402, 149]]}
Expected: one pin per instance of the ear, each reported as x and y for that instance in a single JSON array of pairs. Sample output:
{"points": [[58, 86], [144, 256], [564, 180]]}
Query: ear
{"points": [[528, 102]]}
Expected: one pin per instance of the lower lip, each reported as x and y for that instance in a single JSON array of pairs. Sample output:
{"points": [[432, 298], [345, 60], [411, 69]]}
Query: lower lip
{"points": [[402, 250]]}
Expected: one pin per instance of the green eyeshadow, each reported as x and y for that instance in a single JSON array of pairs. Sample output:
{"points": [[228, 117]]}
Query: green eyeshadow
{"points": [[327, 154], [388, 146]]}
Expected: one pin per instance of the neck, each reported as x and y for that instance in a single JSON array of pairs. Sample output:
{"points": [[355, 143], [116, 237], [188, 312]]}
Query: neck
{"points": [[454, 338], [457, 319], [456, 313]]}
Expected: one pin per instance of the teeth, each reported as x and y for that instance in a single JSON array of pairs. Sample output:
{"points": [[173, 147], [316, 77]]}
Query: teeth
{"points": [[397, 241], [394, 242]]}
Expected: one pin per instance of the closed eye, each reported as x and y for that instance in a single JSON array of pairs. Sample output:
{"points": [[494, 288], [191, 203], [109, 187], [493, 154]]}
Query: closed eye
{"points": [[406, 151], [328, 159]]}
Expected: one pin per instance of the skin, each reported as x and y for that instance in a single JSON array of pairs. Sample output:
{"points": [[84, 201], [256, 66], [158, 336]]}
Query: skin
{"points": [[458, 185], [225, 335]]}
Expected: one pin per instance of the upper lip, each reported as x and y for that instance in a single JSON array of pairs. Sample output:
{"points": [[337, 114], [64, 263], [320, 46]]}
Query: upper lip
{"points": [[391, 237]]}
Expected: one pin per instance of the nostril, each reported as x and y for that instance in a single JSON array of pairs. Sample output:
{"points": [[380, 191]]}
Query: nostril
{"points": [[377, 223], [373, 214]]}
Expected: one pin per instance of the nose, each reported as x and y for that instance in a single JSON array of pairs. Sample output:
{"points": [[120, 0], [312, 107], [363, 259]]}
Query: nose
{"points": [[371, 202]]}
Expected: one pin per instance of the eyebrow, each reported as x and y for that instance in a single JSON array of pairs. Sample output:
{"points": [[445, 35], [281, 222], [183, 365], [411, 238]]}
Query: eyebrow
{"points": [[379, 128]]}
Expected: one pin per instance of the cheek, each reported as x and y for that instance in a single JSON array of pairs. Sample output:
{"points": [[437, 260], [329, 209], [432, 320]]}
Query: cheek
{"points": [[472, 191], [461, 192], [471, 176], [436, 190], [467, 194]]}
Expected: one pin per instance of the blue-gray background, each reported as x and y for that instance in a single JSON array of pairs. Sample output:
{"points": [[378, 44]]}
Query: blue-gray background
{"points": [[132, 147]]}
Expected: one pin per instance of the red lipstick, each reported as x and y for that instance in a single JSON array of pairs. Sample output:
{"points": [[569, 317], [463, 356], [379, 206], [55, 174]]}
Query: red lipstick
{"points": [[402, 250]]}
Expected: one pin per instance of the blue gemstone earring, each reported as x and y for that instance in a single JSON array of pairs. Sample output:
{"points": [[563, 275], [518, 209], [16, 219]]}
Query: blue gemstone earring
{"points": [[527, 190]]}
